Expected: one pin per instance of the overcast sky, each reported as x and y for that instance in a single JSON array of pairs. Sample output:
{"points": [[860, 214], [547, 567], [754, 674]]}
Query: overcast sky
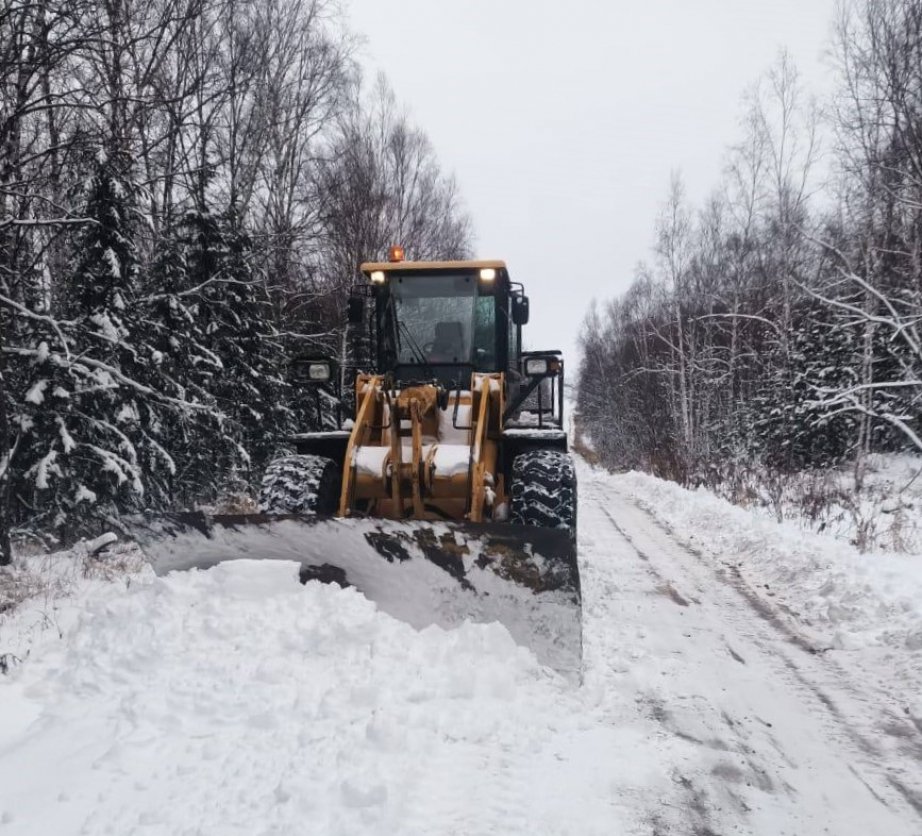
{"points": [[562, 121]]}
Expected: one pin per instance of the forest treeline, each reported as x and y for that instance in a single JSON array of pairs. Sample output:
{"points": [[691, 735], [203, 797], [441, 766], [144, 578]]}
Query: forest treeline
{"points": [[779, 325], [187, 188]]}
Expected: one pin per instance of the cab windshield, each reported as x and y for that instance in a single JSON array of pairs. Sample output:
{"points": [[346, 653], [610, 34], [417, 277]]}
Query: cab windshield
{"points": [[441, 320]]}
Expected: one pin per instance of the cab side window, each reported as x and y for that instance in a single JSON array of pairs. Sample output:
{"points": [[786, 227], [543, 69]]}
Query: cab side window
{"points": [[485, 334]]}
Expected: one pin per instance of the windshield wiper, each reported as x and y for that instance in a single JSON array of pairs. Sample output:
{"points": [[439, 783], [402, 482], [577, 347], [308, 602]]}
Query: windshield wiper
{"points": [[391, 314], [418, 354]]}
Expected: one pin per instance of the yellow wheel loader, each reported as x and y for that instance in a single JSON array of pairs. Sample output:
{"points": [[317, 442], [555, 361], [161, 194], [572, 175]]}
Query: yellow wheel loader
{"points": [[449, 493]]}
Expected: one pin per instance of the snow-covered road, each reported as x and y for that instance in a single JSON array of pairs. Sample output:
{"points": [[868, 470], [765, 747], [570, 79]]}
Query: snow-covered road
{"points": [[236, 701], [784, 740]]}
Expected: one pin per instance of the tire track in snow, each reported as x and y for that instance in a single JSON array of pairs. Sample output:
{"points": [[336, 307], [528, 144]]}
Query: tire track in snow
{"points": [[611, 640], [823, 679], [727, 616]]}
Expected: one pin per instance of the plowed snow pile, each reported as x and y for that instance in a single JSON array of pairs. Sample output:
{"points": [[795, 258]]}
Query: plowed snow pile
{"points": [[238, 701]]}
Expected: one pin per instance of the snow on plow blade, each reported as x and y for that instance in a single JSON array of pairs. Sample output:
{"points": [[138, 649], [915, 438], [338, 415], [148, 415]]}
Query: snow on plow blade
{"points": [[422, 573]]}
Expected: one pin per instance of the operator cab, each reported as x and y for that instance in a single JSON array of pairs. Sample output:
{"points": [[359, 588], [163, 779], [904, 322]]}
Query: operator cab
{"points": [[443, 320]]}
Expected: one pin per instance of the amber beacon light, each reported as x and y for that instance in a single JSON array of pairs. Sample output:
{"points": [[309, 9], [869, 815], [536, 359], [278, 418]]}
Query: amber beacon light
{"points": [[395, 253]]}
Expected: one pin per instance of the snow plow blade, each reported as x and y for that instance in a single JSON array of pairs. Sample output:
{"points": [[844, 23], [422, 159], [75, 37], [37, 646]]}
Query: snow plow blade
{"points": [[422, 573]]}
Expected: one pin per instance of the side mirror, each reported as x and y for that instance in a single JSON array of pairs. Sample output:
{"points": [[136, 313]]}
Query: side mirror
{"points": [[355, 310], [520, 310]]}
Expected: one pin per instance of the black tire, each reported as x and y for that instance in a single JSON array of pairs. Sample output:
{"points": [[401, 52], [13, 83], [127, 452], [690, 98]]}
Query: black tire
{"points": [[544, 490], [300, 485]]}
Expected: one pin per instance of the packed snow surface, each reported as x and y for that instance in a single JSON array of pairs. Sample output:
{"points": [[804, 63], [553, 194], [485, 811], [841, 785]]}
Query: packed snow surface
{"points": [[235, 700]]}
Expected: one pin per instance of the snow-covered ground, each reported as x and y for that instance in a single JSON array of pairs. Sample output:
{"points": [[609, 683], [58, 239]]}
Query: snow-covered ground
{"points": [[883, 512], [739, 677]]}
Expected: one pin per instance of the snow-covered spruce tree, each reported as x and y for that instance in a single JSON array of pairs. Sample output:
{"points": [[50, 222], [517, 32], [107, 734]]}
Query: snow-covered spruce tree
{"points": [[798, 430], [93, 409], [235, 318], [181, 363]]}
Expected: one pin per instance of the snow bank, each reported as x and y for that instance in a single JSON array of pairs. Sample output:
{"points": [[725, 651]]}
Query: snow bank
{"points": [[42, 596], [845, 599], [883, 514]]}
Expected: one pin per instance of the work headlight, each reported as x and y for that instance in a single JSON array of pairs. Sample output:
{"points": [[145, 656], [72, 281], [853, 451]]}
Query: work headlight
{"points": [[311, 371], [318, 372], [536, 366]]}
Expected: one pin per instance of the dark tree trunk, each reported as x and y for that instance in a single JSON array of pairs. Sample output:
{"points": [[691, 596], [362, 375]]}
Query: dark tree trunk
{"points": [[6, 552]]}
